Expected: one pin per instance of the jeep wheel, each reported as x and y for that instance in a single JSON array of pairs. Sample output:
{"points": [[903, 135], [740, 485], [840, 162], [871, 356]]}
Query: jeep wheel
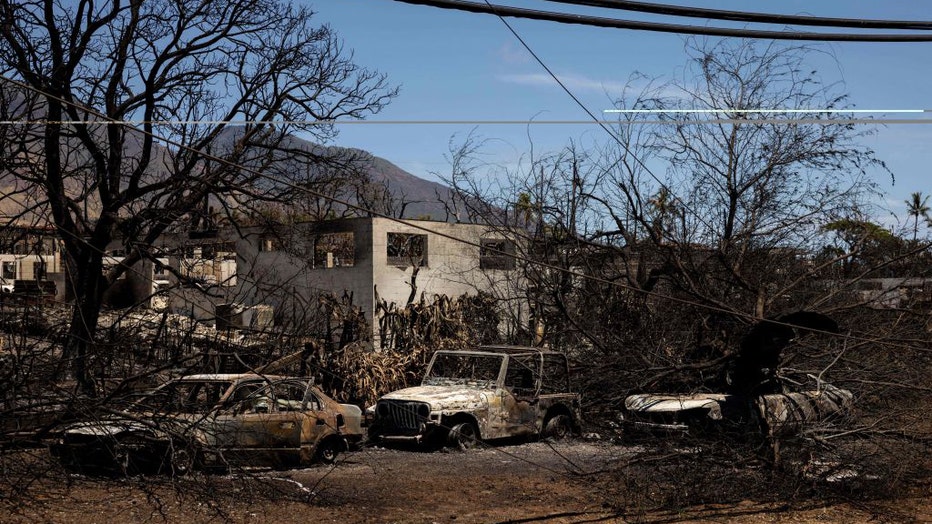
{"points": [[559, 427], [463, 436]]}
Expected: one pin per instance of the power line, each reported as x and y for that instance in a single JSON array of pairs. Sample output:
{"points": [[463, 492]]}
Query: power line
{"points": [[745, 16], [601, 124], [625, 147], [768, 111], [569, 18], [523, 122]]}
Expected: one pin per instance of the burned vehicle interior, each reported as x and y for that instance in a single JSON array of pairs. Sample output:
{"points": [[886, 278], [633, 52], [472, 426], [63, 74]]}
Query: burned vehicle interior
{"points": [[201, 397], [449, 369]]}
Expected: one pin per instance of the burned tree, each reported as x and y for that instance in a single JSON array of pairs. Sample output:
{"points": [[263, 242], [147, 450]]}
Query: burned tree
{"points": [[142, 112], [726, 230]]}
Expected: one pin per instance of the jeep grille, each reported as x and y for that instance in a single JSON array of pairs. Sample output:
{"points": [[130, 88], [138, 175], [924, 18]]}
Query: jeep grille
{"points": [[403, 415]]}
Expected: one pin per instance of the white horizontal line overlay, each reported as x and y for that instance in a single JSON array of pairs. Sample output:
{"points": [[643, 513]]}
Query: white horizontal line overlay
{"points": [[766, 111]]}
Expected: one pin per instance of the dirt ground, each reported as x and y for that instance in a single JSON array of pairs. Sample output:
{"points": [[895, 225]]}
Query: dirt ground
{"points": [[574, 481]]}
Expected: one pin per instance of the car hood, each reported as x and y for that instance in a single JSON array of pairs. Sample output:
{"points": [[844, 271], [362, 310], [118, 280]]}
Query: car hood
{"points": [[116, 425], [444, 397], [659, 403], [103, 428]]}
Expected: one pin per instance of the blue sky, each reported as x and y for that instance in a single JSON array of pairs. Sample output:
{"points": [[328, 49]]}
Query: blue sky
{"points": [[460, 66]]}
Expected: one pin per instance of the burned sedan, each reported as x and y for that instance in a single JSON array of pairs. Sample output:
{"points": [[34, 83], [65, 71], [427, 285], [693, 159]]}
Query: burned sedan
{"points": [[492, 392], [215, 421]]}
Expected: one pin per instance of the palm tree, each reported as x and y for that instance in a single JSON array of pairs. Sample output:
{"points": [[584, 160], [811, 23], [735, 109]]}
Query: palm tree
{"points": [[663, 205], [525, 207], [917, 206]]}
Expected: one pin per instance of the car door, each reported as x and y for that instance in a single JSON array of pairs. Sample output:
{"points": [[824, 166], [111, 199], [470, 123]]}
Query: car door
{"points": [[286, 422], [262, 424], [239, 425]]}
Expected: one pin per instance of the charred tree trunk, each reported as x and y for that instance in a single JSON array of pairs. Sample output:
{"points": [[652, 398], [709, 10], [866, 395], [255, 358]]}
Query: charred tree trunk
{"points": [[88, 284]]}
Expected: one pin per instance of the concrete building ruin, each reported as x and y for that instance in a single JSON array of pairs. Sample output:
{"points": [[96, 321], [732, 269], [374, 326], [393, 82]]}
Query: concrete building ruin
{"points": [[368, 259]]}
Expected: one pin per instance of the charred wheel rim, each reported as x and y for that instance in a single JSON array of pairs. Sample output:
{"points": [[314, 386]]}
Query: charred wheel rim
{"points": [[558, 427], [122, 459], [463, 436], [182, 459], [328, 451]]}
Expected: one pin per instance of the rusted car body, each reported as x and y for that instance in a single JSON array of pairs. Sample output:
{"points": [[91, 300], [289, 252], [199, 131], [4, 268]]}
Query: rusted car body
{"points": [[216, 420], [490, 393]]}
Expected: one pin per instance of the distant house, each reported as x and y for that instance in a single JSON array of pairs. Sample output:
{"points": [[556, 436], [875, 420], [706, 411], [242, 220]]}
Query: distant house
{"points": [[185, 266], [30, 259], [893, 293], [252, 276]]}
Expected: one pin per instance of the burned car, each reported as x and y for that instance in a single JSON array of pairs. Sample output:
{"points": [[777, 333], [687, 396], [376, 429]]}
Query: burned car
{"points": [[493, 392], [774, 414], [755, 396], [215, 420]]}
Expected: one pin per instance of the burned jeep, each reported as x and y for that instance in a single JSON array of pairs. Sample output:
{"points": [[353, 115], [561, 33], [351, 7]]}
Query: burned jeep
{"points": [[490, 393]]}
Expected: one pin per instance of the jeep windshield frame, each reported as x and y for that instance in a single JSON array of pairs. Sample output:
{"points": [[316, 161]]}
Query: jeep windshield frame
{"points": [[461, 368]]}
